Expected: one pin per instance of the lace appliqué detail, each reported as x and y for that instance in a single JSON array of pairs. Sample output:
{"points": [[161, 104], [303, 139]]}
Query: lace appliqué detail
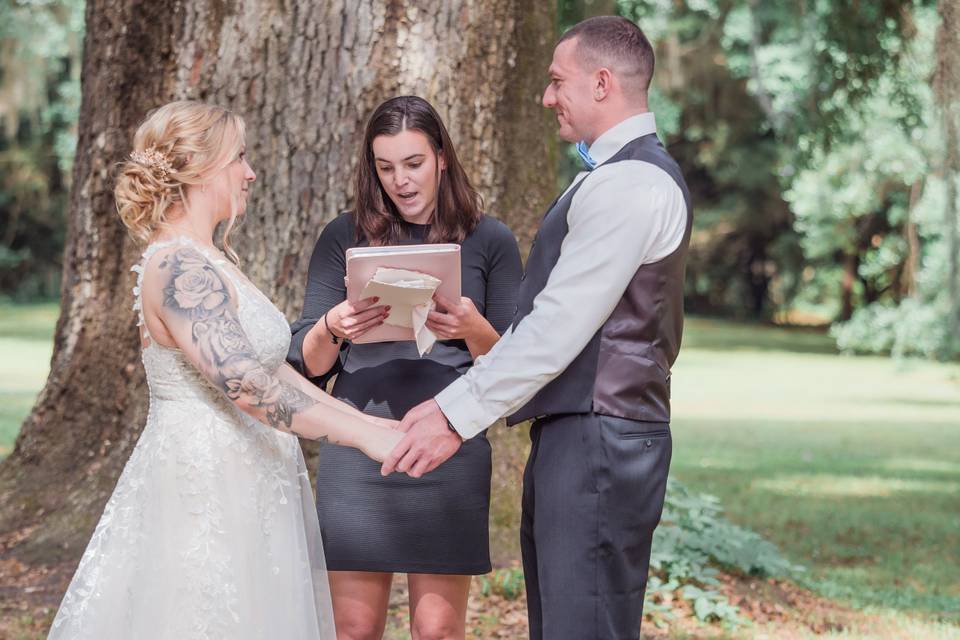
{"points": [[211, 531]]}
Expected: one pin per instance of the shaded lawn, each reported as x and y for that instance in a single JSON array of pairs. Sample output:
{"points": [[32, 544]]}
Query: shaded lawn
{"points": [[26, 334], [850, 465]]}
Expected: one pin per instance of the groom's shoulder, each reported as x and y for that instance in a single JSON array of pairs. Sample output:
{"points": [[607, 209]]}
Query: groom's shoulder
{"points": [[634, 172]]}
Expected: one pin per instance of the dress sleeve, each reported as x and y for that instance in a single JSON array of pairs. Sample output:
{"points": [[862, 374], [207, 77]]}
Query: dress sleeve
{"points": [[504, 269], [325, 290]]}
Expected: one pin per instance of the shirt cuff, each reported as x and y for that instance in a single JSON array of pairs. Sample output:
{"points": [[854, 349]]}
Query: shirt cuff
{"points": [[462, 409]]}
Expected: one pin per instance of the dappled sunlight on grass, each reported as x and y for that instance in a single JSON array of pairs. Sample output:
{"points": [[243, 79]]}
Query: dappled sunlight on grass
{"points": [[850, 464], [834, 485], [28, 321], [24, 365], [754, 385], [723, 335], [26, 333], [921, 465]]}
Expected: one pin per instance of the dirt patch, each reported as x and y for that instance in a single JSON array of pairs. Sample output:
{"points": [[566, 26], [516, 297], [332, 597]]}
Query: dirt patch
{"points": [[773, 609]]}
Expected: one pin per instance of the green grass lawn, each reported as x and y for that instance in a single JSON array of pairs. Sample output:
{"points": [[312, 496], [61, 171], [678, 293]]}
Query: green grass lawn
{"points": [[26, 335], [850, 465]]}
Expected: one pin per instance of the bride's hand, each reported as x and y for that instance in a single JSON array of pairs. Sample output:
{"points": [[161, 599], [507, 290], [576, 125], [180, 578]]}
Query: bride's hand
{"points": [[384, 422], [382, 442]]}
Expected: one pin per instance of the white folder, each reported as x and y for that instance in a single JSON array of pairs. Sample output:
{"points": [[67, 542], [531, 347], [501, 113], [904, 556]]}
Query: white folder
{"points": [[442, 261]]}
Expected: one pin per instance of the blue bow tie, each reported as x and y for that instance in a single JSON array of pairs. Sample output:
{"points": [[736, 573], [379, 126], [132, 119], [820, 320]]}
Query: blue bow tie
{"points": [[588, 162]]}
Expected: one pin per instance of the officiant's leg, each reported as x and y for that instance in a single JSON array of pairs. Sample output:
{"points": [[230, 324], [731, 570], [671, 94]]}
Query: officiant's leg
{"points": [[528, 547], [600, 487], [438, 605], [360, 600]]}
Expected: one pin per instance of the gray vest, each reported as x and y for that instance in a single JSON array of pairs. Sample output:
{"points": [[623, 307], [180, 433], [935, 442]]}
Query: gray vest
{"points": [[624, 370]]}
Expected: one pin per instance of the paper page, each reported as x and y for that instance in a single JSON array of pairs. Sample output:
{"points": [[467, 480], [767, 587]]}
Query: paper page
{"points": [[409, 295]]}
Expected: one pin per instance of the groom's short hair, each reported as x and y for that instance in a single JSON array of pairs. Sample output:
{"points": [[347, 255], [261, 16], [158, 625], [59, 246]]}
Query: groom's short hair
{"points": [[617, 44]]}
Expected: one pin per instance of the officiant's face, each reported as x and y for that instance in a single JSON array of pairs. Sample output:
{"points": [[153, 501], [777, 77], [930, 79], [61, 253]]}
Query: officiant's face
{"points": [[409, 171], [569, 93]]}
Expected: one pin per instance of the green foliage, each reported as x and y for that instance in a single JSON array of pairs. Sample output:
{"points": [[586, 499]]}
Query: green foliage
{"points": [[694, 533], [691, 544], [507, 583], [710, 606], [40, 43], [861, 200], [765, 90], [692, 541]]}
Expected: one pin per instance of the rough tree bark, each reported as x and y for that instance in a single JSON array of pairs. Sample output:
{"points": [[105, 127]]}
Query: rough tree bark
{"points": [[305, 74]]}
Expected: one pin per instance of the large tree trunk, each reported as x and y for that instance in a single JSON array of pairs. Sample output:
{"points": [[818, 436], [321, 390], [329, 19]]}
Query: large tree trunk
{"points": [[305, 74]]}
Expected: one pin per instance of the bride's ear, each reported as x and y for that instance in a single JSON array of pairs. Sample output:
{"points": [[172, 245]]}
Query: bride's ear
{"points": [[441, 160]]}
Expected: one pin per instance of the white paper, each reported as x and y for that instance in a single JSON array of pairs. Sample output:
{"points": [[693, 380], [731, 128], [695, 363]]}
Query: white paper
{"points": [[409, 294]]}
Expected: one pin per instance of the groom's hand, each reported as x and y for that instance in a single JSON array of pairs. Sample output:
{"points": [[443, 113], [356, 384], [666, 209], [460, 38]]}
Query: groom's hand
{"points": [[428, 444]]}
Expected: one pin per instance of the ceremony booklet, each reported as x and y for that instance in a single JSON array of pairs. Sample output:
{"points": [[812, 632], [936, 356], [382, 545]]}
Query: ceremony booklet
{"points": [[405, 278]]}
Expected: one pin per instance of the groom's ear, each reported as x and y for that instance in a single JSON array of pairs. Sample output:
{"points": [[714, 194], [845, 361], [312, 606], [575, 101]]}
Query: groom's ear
{"points": [[602, 84]]}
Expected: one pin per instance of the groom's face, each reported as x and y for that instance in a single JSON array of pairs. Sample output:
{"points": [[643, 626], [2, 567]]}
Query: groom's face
{"points": [[409, 171], [569, 93]]}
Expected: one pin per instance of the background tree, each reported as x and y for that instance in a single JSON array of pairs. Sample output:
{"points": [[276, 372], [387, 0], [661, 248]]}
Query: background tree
{"points": [[305, 75], [760, 89], [947, 87], [39, 104]]}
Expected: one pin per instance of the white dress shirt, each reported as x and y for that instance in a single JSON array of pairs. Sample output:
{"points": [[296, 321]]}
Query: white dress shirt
{"points": [[624, 215]]}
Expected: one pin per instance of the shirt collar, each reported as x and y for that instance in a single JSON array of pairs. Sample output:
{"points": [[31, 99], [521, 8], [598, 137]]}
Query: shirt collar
{"points": [[614, 138]]}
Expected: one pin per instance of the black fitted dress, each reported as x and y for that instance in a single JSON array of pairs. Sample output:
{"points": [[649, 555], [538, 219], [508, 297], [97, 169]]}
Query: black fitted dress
{"points": [[437, 523]]}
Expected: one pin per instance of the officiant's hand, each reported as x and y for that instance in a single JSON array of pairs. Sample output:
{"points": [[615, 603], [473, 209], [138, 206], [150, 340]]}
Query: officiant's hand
{"points": [[428, 444], [462, 321], [350, 320], [456, 320]]}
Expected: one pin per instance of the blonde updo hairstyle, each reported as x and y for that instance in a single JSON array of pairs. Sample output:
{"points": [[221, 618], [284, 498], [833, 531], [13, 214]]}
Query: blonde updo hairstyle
{"points": [[181, 143]]}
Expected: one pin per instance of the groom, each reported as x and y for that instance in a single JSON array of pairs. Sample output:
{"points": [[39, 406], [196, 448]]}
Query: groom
{"points": [[588, 356]]}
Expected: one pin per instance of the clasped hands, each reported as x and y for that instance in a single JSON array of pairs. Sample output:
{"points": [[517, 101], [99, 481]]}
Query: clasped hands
{"points": [[430, 441]]}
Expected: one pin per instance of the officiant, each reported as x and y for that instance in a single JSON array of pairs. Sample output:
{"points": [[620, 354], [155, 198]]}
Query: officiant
{"points": [[410, 189]]}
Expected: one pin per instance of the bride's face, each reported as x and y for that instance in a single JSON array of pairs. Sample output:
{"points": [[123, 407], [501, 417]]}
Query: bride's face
{"points": [[409, 171], [230, 187]]}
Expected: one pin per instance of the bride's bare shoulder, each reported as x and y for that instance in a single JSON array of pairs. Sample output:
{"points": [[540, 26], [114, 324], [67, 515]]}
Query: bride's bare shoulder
{"points": [[183, 278]]}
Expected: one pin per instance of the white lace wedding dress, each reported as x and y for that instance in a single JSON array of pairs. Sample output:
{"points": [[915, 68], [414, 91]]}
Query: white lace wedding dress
{"points": [[211, 532]]}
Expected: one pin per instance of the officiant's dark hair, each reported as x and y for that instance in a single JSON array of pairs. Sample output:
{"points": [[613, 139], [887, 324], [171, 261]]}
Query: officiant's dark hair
{"points": [[459, 205], [617, 43]]}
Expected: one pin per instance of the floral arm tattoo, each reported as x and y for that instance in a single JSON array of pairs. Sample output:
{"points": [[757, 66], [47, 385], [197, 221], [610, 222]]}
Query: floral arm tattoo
{"points": [[196, 291]]}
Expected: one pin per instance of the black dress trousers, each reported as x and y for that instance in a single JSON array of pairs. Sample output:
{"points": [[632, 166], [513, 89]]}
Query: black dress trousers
{"points": [[593, 492]]}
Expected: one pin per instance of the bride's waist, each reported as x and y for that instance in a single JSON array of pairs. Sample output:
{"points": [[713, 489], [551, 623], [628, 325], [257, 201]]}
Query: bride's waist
{"points": [[189, 425], [196, 402]]}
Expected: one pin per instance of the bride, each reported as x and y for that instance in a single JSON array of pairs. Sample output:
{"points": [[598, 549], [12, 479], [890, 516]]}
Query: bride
{"points": [[211, 531]]}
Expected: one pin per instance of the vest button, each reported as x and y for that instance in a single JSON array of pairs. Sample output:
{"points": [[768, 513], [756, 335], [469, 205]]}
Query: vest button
{"points": [[649, 443]]}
